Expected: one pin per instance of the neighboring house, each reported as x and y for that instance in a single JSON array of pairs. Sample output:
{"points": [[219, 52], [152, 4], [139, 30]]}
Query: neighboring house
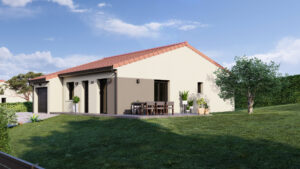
{"points": [[8, 95], [111, 84]]}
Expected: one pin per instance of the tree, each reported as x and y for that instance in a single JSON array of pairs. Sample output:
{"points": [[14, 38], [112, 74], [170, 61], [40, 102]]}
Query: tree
{"points": [[20, 84], [249, 77]]}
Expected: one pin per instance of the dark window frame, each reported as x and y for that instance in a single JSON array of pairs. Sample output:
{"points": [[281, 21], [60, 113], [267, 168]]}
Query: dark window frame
{"points": [[161, 90], [71, 87], [200, 87]]}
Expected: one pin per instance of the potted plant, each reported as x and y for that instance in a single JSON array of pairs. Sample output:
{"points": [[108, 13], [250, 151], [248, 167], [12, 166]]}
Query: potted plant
{"points": [[76, 100], [190, 105], [201, 108], [206, 112], [184, 96]]}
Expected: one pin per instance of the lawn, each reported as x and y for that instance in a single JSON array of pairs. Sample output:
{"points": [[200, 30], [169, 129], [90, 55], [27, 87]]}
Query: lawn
{"points": [[270, 138]]}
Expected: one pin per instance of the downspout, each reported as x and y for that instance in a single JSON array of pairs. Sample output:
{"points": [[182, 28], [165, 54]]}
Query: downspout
{"points": [[116, 90]]}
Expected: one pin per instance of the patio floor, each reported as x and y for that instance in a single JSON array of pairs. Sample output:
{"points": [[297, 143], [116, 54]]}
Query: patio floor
{"points": [[133, 116]]}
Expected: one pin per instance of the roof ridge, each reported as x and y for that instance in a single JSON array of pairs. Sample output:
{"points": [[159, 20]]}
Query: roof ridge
{"points": [[144, 56], [122, 55], [144, 50]]}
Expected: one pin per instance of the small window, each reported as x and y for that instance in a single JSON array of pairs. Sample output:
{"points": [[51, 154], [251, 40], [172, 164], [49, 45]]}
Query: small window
{"points": [[3, 100], [200, 87], [71, 90]]}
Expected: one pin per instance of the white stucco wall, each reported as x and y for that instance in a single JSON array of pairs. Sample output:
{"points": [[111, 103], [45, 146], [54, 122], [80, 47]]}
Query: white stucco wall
{"points": [[54, 95], [11, 95], [183, 68], [94, 95]]}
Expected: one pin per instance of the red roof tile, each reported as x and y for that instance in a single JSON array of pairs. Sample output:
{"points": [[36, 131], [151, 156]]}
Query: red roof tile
{"points": [[2, 80], [124, 59]]}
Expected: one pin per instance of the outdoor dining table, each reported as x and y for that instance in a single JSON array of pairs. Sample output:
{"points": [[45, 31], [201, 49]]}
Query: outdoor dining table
{"points": [[157, 107], [137, 107]]}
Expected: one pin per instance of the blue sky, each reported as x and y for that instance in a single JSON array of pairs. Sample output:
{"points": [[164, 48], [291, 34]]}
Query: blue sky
{"points": [[49, 35]]}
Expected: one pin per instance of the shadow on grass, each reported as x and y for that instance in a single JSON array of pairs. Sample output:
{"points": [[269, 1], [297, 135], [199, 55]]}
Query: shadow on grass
{"points": [[130, 143]]}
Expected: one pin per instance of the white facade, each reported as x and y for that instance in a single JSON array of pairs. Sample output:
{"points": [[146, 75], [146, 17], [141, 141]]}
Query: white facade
{"points": [[182, 67], [10, 96]]}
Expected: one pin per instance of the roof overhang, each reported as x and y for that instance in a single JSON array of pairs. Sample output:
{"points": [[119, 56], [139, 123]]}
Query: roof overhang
{"points": [[88, 71], [42, 80]]}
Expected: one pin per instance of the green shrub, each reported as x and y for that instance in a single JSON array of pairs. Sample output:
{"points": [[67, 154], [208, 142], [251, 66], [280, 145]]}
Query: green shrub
{"points": [[18, 107], [201, 102], [191, 103], [76, 99], [9, 115], [290, 93], [34, 118], [184, 95], [4, 140]]}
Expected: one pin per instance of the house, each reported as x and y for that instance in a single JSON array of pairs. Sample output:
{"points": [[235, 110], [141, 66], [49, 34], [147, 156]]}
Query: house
{"points": [[8, 95], [111, 84]]}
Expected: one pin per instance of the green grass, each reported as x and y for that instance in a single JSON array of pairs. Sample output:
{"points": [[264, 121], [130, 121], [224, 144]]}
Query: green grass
{"points": [[270, 138]]}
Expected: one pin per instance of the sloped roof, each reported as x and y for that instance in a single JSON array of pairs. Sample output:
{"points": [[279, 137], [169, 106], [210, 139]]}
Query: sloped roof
{"points": [[2, 80], [124, 59]]}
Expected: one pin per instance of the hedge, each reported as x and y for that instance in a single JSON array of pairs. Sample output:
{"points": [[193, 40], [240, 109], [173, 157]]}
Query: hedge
{"points": [[18, 107], [290, 93], [4, 140]]}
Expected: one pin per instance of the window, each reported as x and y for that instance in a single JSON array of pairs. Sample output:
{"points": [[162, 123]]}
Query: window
{"points": [[71, 90], [200, 87], [161, 90], [3, 100]]}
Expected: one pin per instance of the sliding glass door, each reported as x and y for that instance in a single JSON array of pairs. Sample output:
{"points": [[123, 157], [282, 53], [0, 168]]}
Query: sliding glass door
{"points": [[161, 90]]}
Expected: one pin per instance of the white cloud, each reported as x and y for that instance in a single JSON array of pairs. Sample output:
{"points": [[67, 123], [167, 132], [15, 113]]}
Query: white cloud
{"points": [[228, 64], [187, 27], [40, 61], [103, 22], [103, 4], [16, 3], [70, 4], [16, 13], [286, 53]]}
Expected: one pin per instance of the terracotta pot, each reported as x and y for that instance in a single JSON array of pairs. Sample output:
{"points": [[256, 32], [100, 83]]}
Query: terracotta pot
{"points": [[206, 112], [201, 111]]}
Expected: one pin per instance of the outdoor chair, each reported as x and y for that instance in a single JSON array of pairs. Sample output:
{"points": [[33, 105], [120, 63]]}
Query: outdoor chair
{"points": [[150, 107], [170, 105], [160, 107]]}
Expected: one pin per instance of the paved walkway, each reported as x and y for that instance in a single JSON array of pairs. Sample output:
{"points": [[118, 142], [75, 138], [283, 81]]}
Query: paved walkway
{"points": [[24, 117], [132, 116]]}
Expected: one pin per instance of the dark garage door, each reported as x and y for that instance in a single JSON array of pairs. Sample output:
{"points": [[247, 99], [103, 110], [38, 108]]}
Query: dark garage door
{"points": [[42, 99]]}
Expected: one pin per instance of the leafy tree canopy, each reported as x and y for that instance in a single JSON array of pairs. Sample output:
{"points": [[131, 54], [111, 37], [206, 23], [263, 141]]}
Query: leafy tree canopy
{"points": [[20, 84], [249, 77]]}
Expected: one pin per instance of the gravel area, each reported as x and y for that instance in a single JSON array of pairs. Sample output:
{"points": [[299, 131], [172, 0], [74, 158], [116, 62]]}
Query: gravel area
{"points": [[24, 117]]}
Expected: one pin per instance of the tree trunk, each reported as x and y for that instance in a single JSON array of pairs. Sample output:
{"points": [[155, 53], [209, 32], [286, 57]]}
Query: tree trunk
{"points": [[250, 104], [27, 96]]}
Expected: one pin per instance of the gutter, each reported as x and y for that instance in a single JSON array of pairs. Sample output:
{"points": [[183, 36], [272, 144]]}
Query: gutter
{"points": [[88, 71]]}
